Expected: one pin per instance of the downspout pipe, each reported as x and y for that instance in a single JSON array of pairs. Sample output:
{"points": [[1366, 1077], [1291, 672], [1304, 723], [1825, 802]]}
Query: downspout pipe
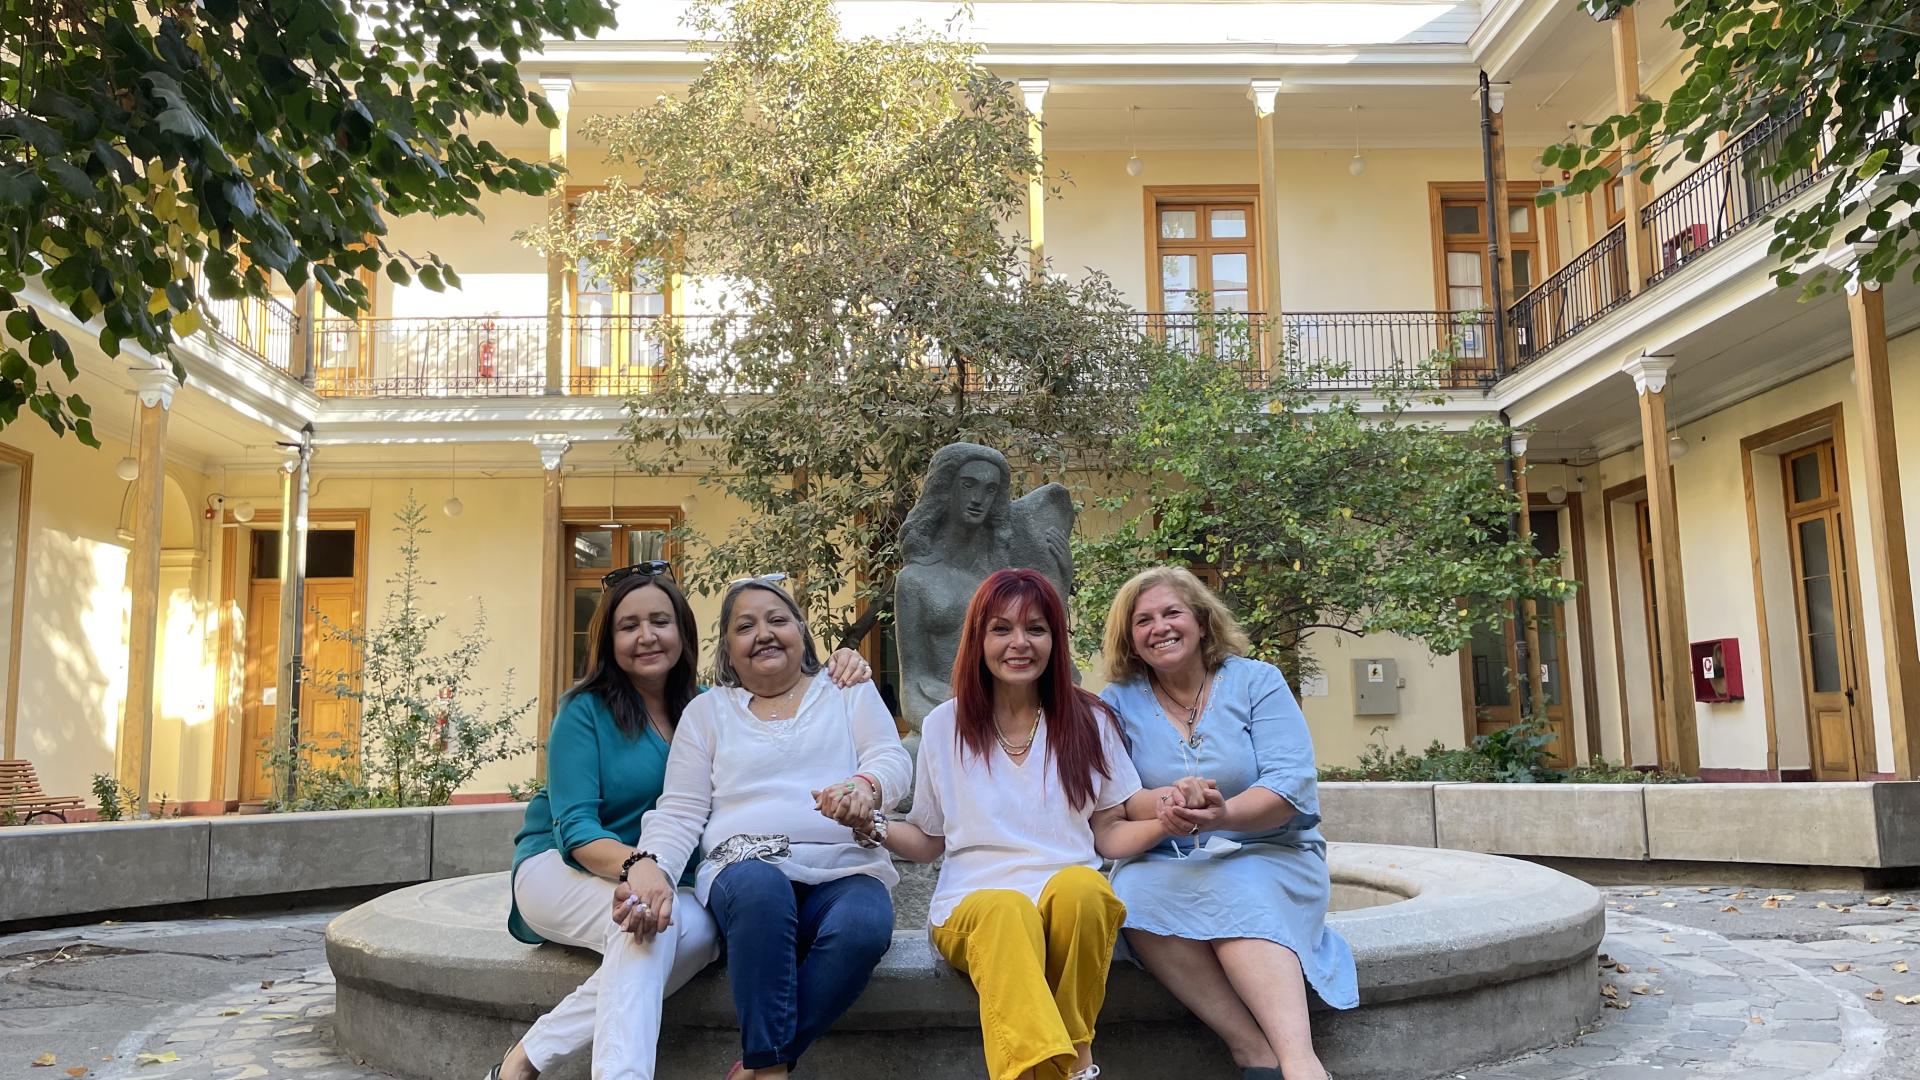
{"points": [[1496, 215]]}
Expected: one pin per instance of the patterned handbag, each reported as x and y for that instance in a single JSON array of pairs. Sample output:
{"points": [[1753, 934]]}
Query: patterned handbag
{"points": [[743, 846]]}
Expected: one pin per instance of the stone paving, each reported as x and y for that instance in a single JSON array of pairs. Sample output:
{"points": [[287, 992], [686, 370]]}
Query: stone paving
{"points": [[1702, 981]]}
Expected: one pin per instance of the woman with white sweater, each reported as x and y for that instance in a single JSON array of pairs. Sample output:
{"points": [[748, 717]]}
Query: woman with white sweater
{"points": [[755, 764]]}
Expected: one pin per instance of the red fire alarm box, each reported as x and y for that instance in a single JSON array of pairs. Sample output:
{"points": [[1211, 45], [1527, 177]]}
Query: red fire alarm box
{"points": [[1716, 670]]}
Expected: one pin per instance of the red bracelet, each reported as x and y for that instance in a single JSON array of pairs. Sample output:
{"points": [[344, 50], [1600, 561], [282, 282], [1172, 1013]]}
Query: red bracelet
{"points": [[871, 782]]}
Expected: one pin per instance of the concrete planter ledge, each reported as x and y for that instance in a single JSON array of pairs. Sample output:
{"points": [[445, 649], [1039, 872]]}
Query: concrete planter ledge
{"points": [[1462, 958], [1866, 826], [56, 871]]}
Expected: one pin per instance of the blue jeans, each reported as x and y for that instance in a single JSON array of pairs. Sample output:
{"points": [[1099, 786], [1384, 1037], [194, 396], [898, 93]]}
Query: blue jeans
{"points": [[797, 955]]}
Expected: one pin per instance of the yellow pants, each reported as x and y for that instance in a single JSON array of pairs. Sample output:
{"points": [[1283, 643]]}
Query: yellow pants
{"points": [[1040, 970]]}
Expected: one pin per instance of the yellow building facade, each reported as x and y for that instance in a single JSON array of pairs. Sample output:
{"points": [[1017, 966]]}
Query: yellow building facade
{"points": [[1319, 164]]}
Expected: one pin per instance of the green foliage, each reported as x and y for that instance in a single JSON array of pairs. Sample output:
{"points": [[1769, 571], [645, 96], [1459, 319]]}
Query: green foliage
{"points": [[1319, 511], [1851, 67], [1513, 755], [114, 801], [524, 792], [1601, 771], [852, 199], [425, 729], [140, 139]]}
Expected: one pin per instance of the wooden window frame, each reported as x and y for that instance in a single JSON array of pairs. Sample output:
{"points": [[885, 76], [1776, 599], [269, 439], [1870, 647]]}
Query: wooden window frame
{"points": [[1546, 233], [573, 518], [619, 343], [1199, 196]]}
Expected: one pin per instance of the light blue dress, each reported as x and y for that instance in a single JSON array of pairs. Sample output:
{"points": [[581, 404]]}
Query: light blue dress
{"points": [[1274, 886]]}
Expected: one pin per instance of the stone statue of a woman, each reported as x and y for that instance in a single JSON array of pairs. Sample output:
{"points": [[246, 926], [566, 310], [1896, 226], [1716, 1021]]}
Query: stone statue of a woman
{"points": [[966, 526]]}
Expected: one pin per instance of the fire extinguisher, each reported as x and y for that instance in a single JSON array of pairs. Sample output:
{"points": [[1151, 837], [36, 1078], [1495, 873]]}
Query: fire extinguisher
{"points": [[486, 349]]}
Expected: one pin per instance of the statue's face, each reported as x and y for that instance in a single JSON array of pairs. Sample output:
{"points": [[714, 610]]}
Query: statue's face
{"points": [[975, 491]]}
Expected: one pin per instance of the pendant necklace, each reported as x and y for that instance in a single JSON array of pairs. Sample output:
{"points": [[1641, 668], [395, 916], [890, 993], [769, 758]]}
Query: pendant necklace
{"points": [[770, 699], [1016, 749], [1194, 737]]}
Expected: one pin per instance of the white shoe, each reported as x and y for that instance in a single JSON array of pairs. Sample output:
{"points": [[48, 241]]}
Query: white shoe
{"points": [[1091, 1072]]}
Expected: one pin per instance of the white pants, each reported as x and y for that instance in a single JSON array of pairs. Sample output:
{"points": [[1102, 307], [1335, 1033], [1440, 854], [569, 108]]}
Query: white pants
{"points": [[618, 1007]]}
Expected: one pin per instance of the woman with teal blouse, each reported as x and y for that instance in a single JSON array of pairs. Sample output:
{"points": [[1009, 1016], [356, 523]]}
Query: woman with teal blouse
{"points": [[606, 759]]}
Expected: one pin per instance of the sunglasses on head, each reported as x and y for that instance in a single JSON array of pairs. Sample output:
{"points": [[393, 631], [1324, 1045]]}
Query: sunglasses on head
{"points": [[649, 570], [763, 579]]}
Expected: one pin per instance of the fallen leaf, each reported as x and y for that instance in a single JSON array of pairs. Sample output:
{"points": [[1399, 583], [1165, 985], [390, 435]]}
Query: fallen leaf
{"points": [[1615, 1003], [266, 984], [1731, 908], [1667, 904], [1607, 990], [77, 1070], [1900, 966], [1622, 968], [1628, 907], [44, 1060], [1770, 902], [229, 1012], [1653, 971], [1842, 967], [279, 1016], [1741, 895], [166, 1058], [1605, 960], [1651, 892], [1756, 1020], [1642, 988], [1871, 940], [1666, 939], [1876, 994], [110, 922], [1782, 897], [1703, 889], [1844, 910], [1908, 999], [1912, 907], [1880, 901]]}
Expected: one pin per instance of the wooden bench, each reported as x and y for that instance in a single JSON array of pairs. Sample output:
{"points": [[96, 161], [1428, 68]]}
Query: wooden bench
{"points": [[20, 793]]}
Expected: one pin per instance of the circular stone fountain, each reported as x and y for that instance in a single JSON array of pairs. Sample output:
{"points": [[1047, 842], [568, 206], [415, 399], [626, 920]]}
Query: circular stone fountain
{"points": [[1462, 958]]}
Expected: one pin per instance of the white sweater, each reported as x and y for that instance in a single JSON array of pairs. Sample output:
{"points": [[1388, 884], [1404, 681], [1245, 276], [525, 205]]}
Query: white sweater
{"points": [[731, 773]]}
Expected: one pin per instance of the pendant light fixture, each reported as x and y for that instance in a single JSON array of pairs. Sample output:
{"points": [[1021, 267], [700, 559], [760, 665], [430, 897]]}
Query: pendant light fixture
{"points": [[453, 506], [1134, 165], [243, 510], [613, 493], [1357, 164]]}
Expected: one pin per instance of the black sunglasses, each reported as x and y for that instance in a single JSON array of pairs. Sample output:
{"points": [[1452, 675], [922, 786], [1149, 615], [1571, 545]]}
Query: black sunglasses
{"points": [[650, 569]]}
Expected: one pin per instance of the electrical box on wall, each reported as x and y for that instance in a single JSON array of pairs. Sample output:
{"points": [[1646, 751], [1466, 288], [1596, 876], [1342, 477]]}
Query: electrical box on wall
{"points": [[1716, 670], [1376, 688]]}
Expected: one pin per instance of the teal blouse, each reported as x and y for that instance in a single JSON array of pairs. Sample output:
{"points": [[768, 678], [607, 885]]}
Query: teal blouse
{"points": [[600, 783]]}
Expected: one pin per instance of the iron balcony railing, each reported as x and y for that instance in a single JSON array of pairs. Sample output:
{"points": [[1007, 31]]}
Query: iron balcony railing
{"points": [[1569, 301], [456, 356], [1354, 350], [625, 355], [1728, 192], [261, 328]]}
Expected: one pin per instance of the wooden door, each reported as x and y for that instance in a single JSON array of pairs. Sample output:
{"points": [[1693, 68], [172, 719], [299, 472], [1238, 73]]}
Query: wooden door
{"points": [[326, 720], [1816, 532], [611, 344], [1494, 667]]}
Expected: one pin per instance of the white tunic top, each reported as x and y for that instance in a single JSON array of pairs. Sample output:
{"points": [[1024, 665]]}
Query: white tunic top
{"points": [[731, 773], [1006, 826]]}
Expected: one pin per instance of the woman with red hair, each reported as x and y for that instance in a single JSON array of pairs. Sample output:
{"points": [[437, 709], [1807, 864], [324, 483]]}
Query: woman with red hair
{"points": [[1022, 784]]}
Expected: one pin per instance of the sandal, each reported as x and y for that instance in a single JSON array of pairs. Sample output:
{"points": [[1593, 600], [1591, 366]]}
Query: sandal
{"points": [[1091, 1072], [738, 1067]]}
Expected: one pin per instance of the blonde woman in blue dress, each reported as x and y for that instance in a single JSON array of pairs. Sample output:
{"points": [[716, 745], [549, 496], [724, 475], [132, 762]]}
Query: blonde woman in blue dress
{"points": [[1230, 916]]}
